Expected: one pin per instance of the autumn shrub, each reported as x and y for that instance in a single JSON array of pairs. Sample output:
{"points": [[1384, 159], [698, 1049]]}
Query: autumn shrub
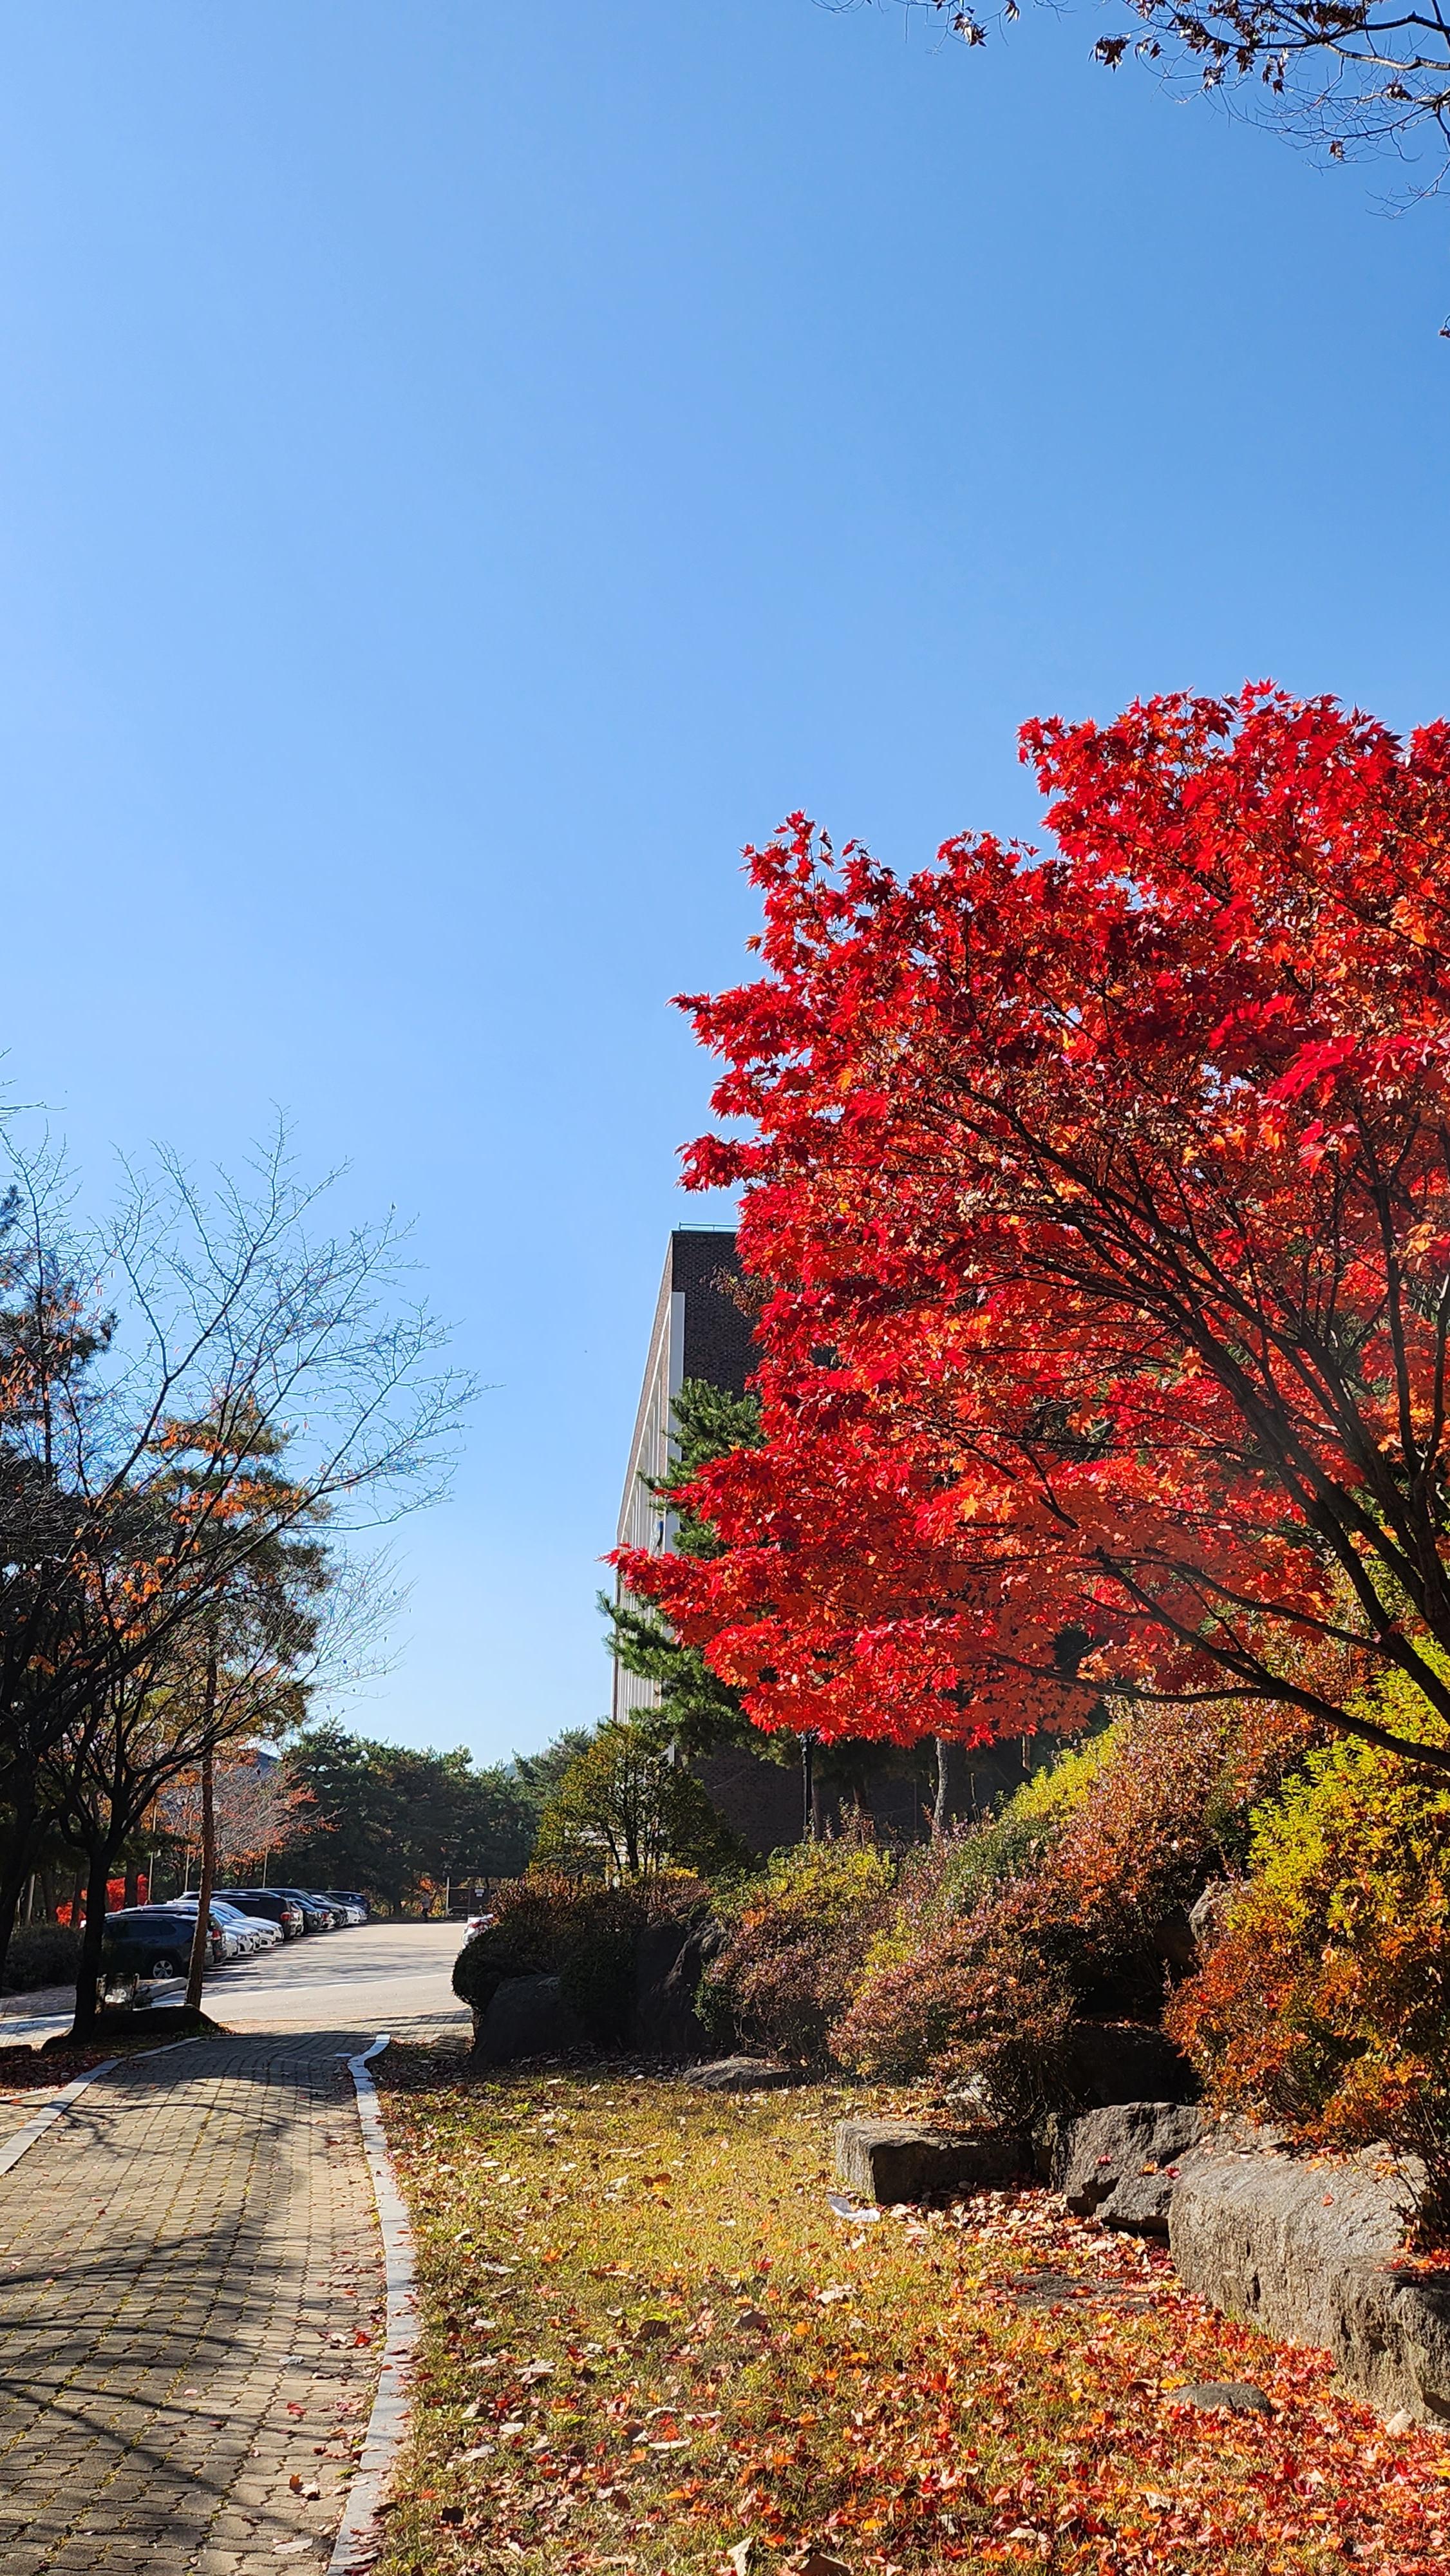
{"points": [[40, 1954], [796, 1941], [1326, 2002], [944, 1881], [1070, 1904], [579, 1930]]}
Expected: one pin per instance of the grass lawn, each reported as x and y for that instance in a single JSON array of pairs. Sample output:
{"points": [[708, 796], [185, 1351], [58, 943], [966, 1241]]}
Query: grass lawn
{"points": [[649, 2340]]}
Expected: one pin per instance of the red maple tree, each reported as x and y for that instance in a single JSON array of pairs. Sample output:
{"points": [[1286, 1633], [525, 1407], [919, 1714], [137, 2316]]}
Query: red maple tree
{"points": [[1104, 1200]]}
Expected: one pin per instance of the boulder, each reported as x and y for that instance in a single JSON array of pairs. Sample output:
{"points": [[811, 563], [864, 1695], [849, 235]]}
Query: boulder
{"points": [[1306, 2250], [741, 2075], [896, 2160], [1222, 2397], [1270, 2237], [526, 2017], [1392, 2341], [1119, 2164], [670, 1960]]}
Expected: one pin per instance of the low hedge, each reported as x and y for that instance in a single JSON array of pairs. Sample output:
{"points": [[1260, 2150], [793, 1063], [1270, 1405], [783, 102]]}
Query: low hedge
{"points": [[40, 1954]]}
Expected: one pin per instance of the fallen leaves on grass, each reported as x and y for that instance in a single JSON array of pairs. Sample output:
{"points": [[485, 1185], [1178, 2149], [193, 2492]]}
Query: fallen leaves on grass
{"points": [[990, 2386]]}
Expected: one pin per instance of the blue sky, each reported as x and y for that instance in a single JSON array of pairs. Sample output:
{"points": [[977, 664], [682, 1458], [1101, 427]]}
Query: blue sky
{"points": [[466, 470]]}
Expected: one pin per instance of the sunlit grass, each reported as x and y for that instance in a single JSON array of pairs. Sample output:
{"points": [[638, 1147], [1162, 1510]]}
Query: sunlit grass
{"points": [[648, 2338]]}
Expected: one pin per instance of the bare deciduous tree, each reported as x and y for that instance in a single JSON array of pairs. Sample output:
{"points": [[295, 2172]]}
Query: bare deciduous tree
{"points": [[225, 1397], [1344, 76]]}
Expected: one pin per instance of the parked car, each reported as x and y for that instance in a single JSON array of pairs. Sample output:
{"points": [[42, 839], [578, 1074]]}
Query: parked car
{"points": [[354, 1907], [152, 1941], [258, 1929], [250, 1932], [336, 1914], [236, 1932], [317, 1914], [269, 1905]]}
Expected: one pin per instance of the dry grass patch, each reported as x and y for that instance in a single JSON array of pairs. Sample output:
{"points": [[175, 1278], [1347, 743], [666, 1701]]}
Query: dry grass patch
{"points": [[648, 2339]]}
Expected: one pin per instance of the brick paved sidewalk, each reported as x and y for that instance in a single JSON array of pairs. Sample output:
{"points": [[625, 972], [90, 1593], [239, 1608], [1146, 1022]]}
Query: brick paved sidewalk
{"points": [[189, 2262]]}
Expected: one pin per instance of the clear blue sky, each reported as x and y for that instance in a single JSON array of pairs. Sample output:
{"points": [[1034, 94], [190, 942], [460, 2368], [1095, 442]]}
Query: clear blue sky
{"points": [[464, 470]]}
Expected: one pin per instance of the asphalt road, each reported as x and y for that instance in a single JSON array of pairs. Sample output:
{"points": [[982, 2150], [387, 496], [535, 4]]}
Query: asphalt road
{"points": [[379, 1976]]}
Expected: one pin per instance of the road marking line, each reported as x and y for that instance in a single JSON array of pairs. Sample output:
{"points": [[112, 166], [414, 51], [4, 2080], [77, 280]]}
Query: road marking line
{"points": [[359, 2539]]}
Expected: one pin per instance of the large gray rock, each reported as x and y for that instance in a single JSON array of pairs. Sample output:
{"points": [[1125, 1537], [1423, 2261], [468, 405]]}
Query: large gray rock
{"points": [[526, 2017], [670, 1960], [1223, 2397], [741, 2075], [1270, 2236], [1119, 2165], [1306, 2251], [1392, 2340], [1208, 1915], [896, 2160]]}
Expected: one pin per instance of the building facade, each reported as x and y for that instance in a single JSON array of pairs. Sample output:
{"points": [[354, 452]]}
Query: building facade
{"points": [[699, 1331]]}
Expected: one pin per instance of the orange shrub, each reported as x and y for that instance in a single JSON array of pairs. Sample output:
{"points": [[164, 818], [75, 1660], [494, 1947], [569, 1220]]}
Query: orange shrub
{"points": [[1326, 2003], [1072, 1902]]}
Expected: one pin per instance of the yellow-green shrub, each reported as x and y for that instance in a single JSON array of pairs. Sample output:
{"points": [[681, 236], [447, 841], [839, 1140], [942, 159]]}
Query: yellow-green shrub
{"points": [[797, 1937], [1326, 2003], [944, 1882]]}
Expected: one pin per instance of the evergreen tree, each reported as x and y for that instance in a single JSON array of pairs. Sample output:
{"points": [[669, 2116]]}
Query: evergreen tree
{"points": [[695, 1711], [386, 1818], [537, 1775]]}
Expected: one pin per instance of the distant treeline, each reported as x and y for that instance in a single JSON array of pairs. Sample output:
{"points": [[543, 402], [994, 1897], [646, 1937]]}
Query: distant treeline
{"points": [[406, 1826]]}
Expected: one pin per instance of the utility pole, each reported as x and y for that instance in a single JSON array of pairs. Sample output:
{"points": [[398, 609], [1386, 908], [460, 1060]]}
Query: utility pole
{"points": [[201, 1939]]}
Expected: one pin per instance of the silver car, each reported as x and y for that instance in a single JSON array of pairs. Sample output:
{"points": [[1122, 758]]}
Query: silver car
{"points": [[236, 1929]]}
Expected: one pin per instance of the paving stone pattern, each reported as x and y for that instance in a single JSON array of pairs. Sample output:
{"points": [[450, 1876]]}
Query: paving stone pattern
{"points": [[18, 2108], [188, 2261]]}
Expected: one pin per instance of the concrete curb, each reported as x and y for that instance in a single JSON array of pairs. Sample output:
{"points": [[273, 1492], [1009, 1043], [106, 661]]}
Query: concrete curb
{"points": [[359, 2539], [24, 2139]]}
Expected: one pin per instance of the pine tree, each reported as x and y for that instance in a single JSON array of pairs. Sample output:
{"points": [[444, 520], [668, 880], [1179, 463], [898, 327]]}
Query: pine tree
{"points": [[695, 1712]]}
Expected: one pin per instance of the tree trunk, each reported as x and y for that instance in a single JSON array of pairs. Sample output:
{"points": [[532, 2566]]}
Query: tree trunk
{"points": [[201, 1942], [808, 1788], [88, 1975], [12, 1887], [950, 1784], [20, 1857], [47, 1894], [131, 1890]]}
